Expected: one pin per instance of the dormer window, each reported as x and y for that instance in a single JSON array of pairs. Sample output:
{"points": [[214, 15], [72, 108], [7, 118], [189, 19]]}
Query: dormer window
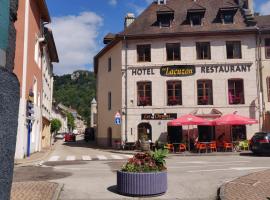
{"points": [[195, 15], [227, 15], [165, 19]]}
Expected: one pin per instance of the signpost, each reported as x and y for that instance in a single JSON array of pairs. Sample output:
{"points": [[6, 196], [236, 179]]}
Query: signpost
{"points": [[117, 119]]}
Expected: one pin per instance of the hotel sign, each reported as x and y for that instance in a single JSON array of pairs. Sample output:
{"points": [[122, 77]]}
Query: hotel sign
{"points": [[178, 70], [159, 116]]}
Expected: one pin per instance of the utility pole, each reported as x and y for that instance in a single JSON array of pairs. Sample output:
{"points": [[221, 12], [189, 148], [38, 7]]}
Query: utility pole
{"points": [[9, 95]]}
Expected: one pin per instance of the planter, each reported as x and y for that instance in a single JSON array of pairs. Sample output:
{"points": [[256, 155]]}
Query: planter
{"points": [[141, 184]]}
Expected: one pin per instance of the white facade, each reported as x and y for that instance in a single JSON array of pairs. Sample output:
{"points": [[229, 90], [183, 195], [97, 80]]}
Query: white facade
{"points": [[108, 81], [57, 114]]}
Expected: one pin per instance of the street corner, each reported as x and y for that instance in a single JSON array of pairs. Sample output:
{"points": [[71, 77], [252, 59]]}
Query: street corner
{"points": [[38, 190], [255, 186]]}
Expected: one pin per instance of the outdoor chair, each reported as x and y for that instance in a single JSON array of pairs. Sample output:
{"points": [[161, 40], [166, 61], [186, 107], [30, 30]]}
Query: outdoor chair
{"points": [[169, 147], [213, 146], [182, 147], [202, 147], [244, 145], [227, 146]]}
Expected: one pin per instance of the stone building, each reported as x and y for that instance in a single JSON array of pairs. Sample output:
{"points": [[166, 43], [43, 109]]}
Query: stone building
{"points": [[30, 68], [176, 58]]}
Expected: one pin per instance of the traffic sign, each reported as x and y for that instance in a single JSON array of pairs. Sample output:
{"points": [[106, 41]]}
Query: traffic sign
{"points": [[117, 118]]}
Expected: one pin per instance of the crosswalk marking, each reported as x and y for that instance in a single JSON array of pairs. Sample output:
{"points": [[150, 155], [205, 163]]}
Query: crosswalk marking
{"points": [[70, 158], [86, 158], [54, 158], [101, 157], [117, 157]]}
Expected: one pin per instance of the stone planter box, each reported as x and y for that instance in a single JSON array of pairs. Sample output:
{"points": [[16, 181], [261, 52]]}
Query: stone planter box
{"points": [[141, 184]]}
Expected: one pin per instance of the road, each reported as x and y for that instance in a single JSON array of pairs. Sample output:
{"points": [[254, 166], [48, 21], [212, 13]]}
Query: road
{"points": [[89, 173]]}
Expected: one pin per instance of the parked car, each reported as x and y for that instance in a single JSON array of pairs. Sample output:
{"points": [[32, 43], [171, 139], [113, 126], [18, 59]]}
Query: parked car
{"points": [[260, 143], [70, 137], [89, 134], [59, 136]]}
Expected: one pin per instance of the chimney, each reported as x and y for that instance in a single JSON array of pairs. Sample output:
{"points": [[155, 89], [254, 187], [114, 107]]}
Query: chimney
{"points": [[247, 4], [250, 6], [129, 19]]}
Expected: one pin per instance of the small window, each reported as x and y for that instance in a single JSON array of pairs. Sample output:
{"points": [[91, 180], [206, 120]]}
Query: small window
{"points": [[174, 91], [227, 18], [109, 64], [203, 50], [144, 53], [144, 93], [268, 88], [205, 92], [109, 100], [234, 50], [236, 91], [267, 48], [165, 19], [196, 19], [173, 51]]}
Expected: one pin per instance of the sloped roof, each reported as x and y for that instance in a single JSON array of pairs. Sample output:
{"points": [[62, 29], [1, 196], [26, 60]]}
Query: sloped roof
{"points": [[263, 22]]}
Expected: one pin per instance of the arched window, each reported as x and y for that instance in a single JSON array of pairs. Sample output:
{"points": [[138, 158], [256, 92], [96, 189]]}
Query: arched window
{"points": [[144, 131]]}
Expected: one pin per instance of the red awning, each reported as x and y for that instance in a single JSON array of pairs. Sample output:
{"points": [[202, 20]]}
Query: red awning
{"points": [[190, 120], [233, 119]]}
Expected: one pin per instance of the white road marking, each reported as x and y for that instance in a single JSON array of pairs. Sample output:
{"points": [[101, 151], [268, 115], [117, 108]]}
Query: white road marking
{"points": [[197, 166], [71, 158], [54, 158], [229, 169], [209, 162], [117, 157], [86, 158], [101, 157]]}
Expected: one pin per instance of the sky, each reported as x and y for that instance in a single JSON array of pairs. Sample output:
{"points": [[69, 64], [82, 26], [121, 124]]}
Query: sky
{"points": [[79, 27]]}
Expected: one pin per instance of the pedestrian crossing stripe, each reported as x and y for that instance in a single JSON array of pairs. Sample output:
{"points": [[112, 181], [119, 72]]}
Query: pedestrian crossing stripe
{"points": [[89, 158]]}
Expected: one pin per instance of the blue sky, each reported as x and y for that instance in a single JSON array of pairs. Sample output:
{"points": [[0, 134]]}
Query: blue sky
{"points": [[80, 25]]}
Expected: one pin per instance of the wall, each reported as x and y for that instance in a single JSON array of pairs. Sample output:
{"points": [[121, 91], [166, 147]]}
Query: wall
{"points": [[189, 90], [109, 81]]}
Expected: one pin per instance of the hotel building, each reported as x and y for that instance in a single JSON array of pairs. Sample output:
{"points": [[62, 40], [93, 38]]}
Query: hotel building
{"points": [[180, 57]]}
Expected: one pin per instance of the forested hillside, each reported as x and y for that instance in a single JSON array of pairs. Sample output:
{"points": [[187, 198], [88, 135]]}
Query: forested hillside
{"points": [[76, 90]]}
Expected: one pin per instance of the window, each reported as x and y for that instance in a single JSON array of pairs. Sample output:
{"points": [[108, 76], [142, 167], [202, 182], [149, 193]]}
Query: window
{"points": [[109, 64], [234, 50], [267, 48], [268, 88], [144, 92], [173, 51], [227, 18], [203, 50], [37, 54], [109, 100], [196, 19], [205, 92], [144, 53], [165, 19], [174, 92], [236, 91]]}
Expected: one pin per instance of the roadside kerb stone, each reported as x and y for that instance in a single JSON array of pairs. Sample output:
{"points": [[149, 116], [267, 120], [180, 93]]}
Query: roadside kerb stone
{"points": [[40, 190], [255, 186]]}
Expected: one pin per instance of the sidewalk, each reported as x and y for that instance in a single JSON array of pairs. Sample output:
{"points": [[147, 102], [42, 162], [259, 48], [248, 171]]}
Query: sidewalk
{"points": [[255, 186], [36, 157], [35, 191]]}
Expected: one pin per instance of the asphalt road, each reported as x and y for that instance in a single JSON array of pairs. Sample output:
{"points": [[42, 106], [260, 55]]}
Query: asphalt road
{"points": [[189, 177]]}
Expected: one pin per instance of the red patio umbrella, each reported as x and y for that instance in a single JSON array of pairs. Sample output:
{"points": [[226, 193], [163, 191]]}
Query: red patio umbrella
{"points": [[187, 120], [234, 119]]}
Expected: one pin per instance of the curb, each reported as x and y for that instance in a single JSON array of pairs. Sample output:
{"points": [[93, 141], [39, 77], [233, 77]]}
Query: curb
{"points": [[221, 192], [57, 193]]}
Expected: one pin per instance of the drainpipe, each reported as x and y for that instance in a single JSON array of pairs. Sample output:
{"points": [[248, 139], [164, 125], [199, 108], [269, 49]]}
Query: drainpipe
{"points": [[259, 68], [126, 84]]}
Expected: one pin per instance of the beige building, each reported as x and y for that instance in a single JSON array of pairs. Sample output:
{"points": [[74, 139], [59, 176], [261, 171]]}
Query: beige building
{"points": [[174, 59], [58, 113]]}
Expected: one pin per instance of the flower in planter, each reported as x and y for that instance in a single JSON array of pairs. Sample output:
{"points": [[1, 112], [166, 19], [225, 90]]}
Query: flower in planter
{"points": [[147, 162]]}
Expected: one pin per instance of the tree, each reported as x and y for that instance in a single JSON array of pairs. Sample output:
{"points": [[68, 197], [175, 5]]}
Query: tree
{"points": [[71, 121], [55, 125]]}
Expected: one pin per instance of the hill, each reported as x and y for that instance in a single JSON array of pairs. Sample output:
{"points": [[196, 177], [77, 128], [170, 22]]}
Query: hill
{"points": [[76, 90]]}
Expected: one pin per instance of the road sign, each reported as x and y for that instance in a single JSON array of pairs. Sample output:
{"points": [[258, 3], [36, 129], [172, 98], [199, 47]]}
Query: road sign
{"points": [[117, 118]]}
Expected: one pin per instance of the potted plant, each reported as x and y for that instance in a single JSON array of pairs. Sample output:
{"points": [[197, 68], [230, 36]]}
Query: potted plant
{"points": [[144, 175]]}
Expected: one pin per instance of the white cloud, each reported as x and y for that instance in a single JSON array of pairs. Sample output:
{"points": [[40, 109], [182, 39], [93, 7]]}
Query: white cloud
{"points": [[265, 8], [137, 9], [76, 40], [113, 2]]}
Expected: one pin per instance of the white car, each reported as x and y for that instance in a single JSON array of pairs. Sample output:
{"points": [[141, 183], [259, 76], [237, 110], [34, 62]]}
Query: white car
{"points": [[59, 136], [76, 132]]}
